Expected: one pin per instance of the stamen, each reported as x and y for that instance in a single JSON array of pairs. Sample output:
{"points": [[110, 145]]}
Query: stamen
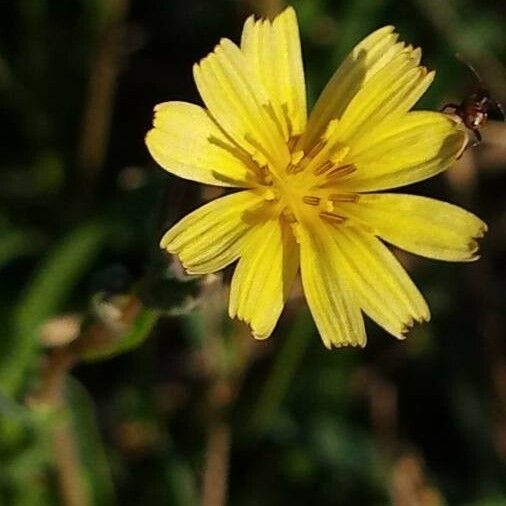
{"points": [[293, 166], [260, 156], [286, 113], [299, 167], [297, 156], [288, 216], [292, 141], [344, 197], [296, 232], [323, 168], [265, 174], [331, 129], [343, 170], [316, 148], [269, 194], [311, 200], [332, 217]]}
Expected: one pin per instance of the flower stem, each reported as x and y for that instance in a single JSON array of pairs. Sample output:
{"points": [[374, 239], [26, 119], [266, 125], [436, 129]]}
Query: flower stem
{"points": [[283, 371], [66, 455], [214, 491], [228, 357], [97, 113]]}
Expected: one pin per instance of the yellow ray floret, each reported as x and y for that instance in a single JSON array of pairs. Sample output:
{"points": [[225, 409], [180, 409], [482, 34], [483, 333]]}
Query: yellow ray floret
{"points": [[274, 53], [307, 200], [264, 277], [198, 148]]}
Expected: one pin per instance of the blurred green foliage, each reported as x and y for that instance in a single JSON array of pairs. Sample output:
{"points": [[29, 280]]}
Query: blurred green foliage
{"points": [[308, 426]]}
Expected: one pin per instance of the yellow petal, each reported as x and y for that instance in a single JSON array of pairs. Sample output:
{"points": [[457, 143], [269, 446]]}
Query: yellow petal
{"points": [[187, 142], [383, 288], [420, 225], [370, 55], [239, 103], [414, 147], [391, 91], [273, 52], [212, 237], [264, 276], [329, 295]]}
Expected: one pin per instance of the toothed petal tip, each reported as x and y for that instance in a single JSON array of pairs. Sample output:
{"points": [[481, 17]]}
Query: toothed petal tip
{"points": [[260, 337]]}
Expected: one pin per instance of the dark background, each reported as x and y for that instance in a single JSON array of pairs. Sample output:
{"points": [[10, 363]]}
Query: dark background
{"points": [[106, 401]]}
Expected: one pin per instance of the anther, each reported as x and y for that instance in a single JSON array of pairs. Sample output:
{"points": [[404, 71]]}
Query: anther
{"points": [[343, 170], [264, 169], [292, 141], [286, 114], [298, 168], [265, 174], [323, 168], [293, 166], [316, 148], [332, 217], [343, 197], [311, 200]]}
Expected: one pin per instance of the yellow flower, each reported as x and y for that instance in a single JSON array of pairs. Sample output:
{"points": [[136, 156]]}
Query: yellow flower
{"points": [[305, 201]]}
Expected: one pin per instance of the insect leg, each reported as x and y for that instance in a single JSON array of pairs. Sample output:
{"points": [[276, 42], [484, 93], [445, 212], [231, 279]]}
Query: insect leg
{"points": [[477, 138]]}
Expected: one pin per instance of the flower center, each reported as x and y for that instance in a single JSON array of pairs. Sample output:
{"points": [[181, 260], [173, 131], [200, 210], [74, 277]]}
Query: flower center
{"points": [[311, 185]]}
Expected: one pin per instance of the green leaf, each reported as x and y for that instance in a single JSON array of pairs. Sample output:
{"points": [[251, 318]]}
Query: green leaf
{"points": [[45, 295]]}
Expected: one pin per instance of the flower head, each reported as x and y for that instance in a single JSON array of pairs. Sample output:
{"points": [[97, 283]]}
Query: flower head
{"points": [[307, 196]]}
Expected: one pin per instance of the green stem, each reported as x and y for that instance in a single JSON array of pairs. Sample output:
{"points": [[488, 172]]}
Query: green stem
{"points": [[283, 370]]}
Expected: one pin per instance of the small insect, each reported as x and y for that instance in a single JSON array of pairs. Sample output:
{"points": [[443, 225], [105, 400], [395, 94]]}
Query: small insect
{"points": [[476, 107]]}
